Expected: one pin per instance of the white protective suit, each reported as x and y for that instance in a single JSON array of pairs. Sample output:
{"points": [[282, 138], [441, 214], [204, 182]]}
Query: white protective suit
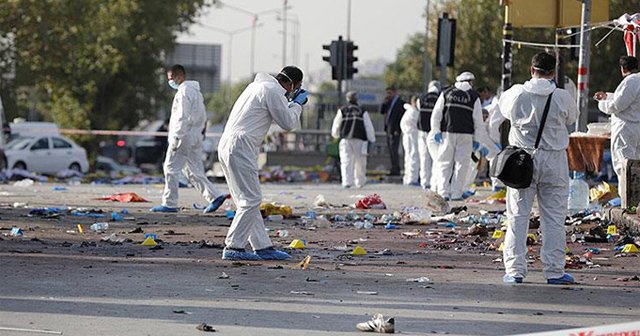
{"points": [[624, 108], [184, 154], [493, 131], [452, 159], [424, 151], [409, 128], [523, 105], [353, 152], [260, 104]]}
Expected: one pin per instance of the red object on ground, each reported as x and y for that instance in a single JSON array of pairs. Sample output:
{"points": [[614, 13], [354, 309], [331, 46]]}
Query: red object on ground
{"points": [[371, 202], [124, 198]]}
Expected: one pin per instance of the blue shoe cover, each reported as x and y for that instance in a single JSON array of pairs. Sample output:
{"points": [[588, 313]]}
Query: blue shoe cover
{"points": [[215, 204], [162, 208], [270, 253], [233, 254], [566, 279]]}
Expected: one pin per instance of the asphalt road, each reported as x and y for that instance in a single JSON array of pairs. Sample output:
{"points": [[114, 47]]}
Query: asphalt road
{"points": [[62, 281]]}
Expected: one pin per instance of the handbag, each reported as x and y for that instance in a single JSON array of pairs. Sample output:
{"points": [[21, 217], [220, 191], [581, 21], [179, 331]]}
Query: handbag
{"points": [[514, 165]]}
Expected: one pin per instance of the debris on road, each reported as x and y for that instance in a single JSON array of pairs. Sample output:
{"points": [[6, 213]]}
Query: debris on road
{"points": [[123, 198], [378, 324]]}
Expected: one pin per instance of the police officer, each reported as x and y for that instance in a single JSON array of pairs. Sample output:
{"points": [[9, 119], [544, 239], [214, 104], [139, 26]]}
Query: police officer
{"points": [[425, 103], [354, 129], [456, 124]]}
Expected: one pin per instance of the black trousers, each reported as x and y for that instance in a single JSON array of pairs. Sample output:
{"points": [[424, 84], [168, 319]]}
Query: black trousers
{"points": [[393, 144]]}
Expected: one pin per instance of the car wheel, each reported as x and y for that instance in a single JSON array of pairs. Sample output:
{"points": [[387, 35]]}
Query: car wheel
{"points": [[75, 167], [20, 165]]}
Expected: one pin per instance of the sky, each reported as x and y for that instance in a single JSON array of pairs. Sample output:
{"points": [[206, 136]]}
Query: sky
{"points": [[378, 28]]}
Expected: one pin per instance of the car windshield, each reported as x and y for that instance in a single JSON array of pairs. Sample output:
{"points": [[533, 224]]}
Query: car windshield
{"points": [[19, 143]]}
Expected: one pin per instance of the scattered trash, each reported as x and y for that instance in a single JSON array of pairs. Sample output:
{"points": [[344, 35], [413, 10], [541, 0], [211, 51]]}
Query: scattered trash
{"points": [[16, 232], [113, 239], [390, 226], [60, 188], [282, 233], [434, 202], [24, 183], [205, 327], [371, 202], [269, 209], [378, 324], [99, 227], [275, 218], [123, 198], [420, 279], [304, 264], [321, 202], [367, 293], [602, 193], [224, 276], [116, 217], [301, 292]]}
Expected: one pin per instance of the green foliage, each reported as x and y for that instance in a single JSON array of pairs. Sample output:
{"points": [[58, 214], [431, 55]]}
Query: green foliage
{"points": [[406, 72], [94, 63], [220, 103], [479, 47]]}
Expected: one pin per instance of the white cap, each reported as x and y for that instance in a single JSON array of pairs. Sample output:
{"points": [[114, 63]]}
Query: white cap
{"points": [[465, 77]]}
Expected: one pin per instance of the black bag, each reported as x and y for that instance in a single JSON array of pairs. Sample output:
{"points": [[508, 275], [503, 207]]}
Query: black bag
{"points": [[514, 165]]}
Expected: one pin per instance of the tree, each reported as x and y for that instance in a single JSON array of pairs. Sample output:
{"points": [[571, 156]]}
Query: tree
{"points": [[93, 63], [220, 103], [479, 47]]}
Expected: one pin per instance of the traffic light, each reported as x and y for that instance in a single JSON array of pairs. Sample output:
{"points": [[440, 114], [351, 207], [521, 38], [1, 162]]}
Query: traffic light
{"points": [[350, 59], [335, 59]]}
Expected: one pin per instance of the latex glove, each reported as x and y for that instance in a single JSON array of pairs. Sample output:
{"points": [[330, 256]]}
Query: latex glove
{"points": [[484, 151], [476, 145], [301, 97], [438, 138], [499, 146]]}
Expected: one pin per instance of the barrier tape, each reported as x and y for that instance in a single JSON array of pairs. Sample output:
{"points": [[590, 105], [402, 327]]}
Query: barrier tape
{"points": [[110, 132], [622, 329]]}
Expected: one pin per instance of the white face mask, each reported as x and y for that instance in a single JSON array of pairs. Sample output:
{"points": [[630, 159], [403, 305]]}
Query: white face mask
{"points": [[173, 84]]}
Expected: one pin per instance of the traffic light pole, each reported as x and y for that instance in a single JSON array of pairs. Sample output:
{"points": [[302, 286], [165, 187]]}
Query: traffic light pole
{"points": [[583, 67]]}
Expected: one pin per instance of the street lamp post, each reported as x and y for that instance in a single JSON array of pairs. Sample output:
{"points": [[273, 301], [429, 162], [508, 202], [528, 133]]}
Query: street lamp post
{"points": [[230, 34]]}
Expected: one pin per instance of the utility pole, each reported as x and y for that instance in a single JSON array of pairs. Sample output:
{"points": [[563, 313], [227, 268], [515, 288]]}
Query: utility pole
{"points": [[426, 61], [507, 66], [284, 33], [583, 67]]}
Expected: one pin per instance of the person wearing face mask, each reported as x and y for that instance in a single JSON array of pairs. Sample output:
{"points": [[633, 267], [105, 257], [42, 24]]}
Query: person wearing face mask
{"points": [[267, 99], [523, 105], [188, 118]]}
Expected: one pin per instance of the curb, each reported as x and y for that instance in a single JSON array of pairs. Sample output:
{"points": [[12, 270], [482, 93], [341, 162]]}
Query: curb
{"points": [[622, 219]]}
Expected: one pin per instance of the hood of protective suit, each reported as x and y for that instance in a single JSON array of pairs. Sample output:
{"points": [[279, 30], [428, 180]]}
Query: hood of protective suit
{"points": [[539, 86], [190, 84]]}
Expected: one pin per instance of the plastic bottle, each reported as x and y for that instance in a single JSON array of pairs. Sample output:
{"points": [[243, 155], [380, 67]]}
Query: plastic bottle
{"points": [[228, 211], [99, 227], [367, 225], [578, 193]]}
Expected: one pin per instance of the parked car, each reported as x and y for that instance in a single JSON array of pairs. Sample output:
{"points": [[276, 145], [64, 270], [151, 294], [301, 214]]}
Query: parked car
{"points": [[150, 150], [46, 154], [110, 166]]}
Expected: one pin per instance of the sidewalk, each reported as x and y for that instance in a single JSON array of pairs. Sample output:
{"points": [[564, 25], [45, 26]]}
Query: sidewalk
{"points": [[623, 219]]}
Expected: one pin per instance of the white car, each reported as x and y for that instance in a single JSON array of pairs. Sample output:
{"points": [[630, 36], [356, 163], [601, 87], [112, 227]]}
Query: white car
{"points": [[46, 154]]}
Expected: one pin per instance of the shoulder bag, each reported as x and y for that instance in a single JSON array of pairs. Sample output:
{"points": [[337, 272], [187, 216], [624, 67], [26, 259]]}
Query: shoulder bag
{"points": [[514, 165]]}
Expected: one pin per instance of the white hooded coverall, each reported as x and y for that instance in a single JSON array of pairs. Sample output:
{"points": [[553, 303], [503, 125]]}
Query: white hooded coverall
{"points": [[425, 143], [523, 105], [186, 123], [409, 128], [452, 159], [353, 151], [260, 104], [624, 107]]}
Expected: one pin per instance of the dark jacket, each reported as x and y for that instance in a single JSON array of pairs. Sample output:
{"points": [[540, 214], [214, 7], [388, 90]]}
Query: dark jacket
{"points": [[392, 121]]}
